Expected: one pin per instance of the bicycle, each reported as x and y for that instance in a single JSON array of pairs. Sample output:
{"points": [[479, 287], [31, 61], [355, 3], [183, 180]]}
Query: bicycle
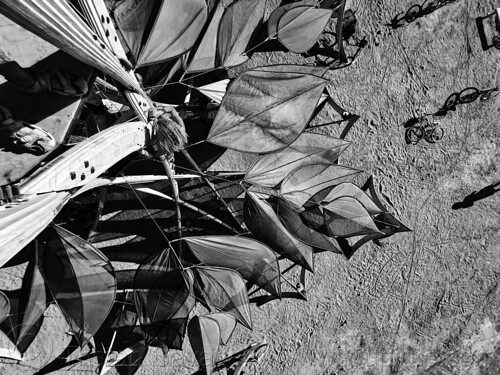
{"points": [[424, 128], [469, 95], [418, 11]]}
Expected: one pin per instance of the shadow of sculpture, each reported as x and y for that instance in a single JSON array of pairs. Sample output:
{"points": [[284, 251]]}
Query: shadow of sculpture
{"points": [[417, 11]]}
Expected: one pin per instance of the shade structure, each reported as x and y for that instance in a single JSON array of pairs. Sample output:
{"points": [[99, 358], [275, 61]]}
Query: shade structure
{"points": [[27, 307], [163, 298], [307, 180], [225, 290], [298, 28], [265, 225], [253, 260], [155, 31], [292, 221], [80, 279], [270, 169], [272, 22], [264, 111], [206, 333]]}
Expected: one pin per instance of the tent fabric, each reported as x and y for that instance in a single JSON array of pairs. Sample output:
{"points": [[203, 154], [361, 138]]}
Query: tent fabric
{"points": [[307, 180], [204, 336], [346, 217], [4, 306], [236, 28], [80, 279], [346, 189], [253, 260], [265, 225], [203, 56], [265, 111], [27, 307], [225, 290], [157, 31], [298, 29], [296, 226], [270, 169]]}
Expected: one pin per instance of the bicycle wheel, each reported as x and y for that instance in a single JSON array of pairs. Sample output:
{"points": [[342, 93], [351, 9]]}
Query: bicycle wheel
{"points": [[496, 42], [434, 134], [468, 95], [451, 102], [413, 13], [413, 135]]}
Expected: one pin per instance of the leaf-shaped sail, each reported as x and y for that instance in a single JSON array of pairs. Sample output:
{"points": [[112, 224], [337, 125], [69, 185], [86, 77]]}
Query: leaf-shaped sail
{"points": [[226, 322], [215, 90], [346, 189], [265, 225], [307, 180], [291, 220], [346, 217], [80, 279], [270, 169], [27, 307], [159, 30], [225, 290], [264, 111], [163, 298], [236, 28], [204, 336], [272, 22], [253, 260], [299, 28], [203, 56], [4, 306]]}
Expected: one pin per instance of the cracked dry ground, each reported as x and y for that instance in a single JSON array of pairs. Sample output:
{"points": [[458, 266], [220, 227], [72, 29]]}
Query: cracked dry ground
{"points": [[428, 301]]}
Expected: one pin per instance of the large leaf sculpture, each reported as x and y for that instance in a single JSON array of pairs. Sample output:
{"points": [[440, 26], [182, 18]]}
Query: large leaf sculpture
{"points": [[206, 332], [225, 290], [346, 217], [309, 148], [27, 307], [80, 279], [307, 180], [346, 189], [265, 225], [155, 31], [298, 28], [291, 220], [163, 299], [264, 111], [237, 26], [253, 260]]}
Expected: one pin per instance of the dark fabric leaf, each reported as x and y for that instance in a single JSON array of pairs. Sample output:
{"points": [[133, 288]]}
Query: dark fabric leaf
{"points": [[253, 260], [225, 290], [80, 279], [265, 225]]}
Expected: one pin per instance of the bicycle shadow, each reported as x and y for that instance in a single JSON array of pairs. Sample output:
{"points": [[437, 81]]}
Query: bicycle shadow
{"points": [[469, 200], [417, 11]]}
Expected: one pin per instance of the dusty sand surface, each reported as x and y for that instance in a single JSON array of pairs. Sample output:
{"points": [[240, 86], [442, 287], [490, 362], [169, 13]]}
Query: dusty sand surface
{"points": [[427, 302]]}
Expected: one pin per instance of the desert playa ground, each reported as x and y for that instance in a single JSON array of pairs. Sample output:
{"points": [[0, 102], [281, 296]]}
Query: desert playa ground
{"points": [[427, 301]]}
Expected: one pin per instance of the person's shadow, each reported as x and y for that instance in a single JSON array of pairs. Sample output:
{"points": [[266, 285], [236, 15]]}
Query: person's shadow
{"points": [[475, 196]]}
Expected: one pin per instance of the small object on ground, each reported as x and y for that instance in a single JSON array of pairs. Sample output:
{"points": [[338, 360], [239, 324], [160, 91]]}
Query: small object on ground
{"points": [[69, 84], [29, 137]]}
